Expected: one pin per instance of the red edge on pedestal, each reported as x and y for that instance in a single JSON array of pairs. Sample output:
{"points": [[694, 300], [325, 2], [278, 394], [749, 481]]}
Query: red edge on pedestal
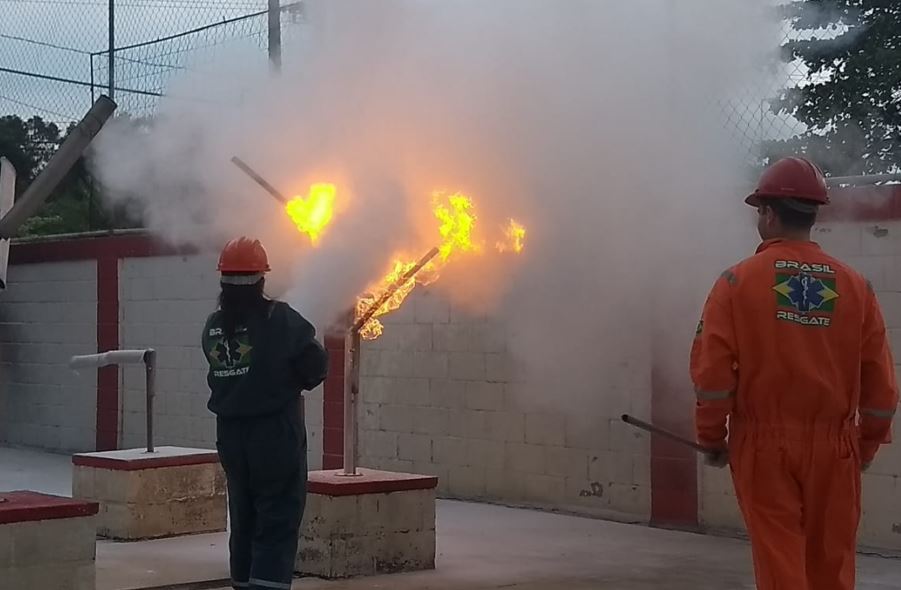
{"points": [[140, 463], [333, 483], [26, 506]]}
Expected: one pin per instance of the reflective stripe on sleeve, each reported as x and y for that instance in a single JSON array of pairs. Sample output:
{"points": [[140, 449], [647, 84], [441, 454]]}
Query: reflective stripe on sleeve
{"points": [[884, 414], [709, 396]]}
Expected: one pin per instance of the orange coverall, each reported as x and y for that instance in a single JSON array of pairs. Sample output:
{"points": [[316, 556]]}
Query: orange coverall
{"points": [[792, 350]]}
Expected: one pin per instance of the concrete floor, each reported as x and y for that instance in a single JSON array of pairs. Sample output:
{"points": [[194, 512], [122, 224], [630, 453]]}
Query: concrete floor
{"points": [[480, 547], [24, 469]]}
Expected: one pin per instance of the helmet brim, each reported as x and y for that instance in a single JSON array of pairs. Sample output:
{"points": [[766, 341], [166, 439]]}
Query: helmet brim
{"points": [[799, 205]]}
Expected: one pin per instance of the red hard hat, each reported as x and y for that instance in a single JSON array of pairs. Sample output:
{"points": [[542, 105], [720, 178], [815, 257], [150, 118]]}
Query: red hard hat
{"points": [[791, 178], [244, 256]]}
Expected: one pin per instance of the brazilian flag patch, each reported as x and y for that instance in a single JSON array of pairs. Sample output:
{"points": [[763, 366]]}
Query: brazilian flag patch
{"points": [[806, 293]]}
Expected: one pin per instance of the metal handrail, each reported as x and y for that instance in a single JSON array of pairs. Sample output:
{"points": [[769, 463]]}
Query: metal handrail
{"points": [[126, 357]]}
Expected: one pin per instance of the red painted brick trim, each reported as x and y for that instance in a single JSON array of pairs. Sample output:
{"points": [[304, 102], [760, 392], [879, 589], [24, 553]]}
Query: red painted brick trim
{"points": [[674, 468], [27, 506], [107, 251], [107, 438], [92, 248], [137, 464], [332, 483], [863, 204]]}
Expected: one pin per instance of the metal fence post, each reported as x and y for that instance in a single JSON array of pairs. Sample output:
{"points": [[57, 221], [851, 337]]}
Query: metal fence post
{"points": [[275, 35], [112, 49]]}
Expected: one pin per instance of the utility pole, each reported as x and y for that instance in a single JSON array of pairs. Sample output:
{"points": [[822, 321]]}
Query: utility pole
{"points": [[112, 50], [275, 35]]}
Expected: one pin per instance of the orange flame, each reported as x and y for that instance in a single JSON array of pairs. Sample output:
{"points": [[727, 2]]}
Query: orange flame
{"points": [[456, 216], [457, 221], [514, 238], [313, 214]]}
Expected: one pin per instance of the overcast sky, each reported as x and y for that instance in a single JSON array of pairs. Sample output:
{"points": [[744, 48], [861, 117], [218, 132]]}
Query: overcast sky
{"points": [[75, 28]]}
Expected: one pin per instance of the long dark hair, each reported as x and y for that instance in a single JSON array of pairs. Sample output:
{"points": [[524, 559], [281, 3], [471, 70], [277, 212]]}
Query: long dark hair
{"points": [[239, 303]]}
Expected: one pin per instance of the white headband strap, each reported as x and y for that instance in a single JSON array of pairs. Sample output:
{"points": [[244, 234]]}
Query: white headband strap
{"points": [[241, 279]]}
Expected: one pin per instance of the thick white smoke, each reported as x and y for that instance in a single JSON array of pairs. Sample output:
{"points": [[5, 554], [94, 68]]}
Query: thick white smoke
{"points": [[598, 124]]}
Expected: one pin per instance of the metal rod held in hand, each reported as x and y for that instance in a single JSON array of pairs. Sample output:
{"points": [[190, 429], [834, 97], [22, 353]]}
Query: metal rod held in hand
{"points": [[259, 180], [647, 427]]}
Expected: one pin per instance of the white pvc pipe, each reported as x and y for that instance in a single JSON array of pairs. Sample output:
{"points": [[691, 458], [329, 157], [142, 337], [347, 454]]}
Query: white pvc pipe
{"points": [[104, 359], [125, 357]]}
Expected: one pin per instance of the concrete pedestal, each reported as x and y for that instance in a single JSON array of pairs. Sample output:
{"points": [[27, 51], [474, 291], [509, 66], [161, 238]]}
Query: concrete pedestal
{"points": [[46, 542], [173, 491], [378, 522]]}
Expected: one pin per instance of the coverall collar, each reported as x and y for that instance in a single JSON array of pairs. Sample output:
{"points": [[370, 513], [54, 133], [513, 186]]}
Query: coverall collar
{"points": [[767, 244]]}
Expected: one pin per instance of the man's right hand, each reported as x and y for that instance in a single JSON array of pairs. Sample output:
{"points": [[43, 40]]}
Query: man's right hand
{"points": [[718, 458]]}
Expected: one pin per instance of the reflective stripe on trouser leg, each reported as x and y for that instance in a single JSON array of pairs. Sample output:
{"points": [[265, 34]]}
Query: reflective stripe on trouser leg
{"points": [[278, 518], [240, 540], [277, 459], [266, 584], [240, 503]]}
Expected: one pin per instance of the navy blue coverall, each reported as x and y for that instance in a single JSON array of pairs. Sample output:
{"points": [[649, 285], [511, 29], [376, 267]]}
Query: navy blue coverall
{"points": [[256, 376]]}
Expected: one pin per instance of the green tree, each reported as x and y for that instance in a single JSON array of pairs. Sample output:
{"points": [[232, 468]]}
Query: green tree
{"points": [[851, 102], [72, 207], [28, 145]]}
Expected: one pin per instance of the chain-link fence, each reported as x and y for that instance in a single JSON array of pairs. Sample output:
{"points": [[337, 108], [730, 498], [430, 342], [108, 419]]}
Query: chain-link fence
{"points": [[143, 72], [57, 60], [749, 115], [50, 62], [54, 60]]}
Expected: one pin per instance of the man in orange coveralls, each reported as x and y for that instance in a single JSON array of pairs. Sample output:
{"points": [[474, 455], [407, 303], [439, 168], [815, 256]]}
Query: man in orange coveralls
{"points": [[792, 350]]}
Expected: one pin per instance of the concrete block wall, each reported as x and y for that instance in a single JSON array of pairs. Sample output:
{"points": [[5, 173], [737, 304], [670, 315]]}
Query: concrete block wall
{"points": [[147, 296], [874, 249], [47, 314], [441, 395], [164, 303]]}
